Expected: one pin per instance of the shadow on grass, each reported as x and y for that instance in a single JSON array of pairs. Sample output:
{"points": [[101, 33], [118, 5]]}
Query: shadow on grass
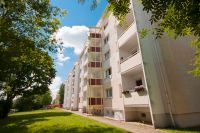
{"points": [[19, 123], [79, 129], [183, 130]]}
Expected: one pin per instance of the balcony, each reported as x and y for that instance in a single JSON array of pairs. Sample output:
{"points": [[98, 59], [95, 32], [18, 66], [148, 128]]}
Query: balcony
{"points": [[85, 74], [131, 62], [94, 49], [127, 35], [133, 89], [95, 101], [85, 62], [85, 88], [95, 82], [95, 64], [95, 74]]}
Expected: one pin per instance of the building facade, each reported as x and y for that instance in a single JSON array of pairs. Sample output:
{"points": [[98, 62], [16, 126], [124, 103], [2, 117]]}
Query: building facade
{"points": [[126, 77], [71, 96]]}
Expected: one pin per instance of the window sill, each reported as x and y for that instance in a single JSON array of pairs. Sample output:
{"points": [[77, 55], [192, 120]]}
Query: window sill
{"points": [[108, 97]]}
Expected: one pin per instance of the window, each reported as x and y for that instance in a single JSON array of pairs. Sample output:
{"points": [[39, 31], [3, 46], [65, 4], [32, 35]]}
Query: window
{"points": [[105, 26], [108, 73], [139, 82], [109, 93], [107, 55], [106, 39]]}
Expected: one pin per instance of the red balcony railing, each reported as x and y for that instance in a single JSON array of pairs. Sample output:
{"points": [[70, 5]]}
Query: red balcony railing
{"points": [[94, 64], [94, 49], [95, 101], [95, 81], [95, 35]]}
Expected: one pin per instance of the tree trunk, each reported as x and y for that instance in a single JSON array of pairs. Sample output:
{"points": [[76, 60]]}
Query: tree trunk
{"points": [[5, 106]]}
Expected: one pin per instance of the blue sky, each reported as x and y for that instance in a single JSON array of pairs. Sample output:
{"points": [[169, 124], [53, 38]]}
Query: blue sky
{"points": [[73, 33]]}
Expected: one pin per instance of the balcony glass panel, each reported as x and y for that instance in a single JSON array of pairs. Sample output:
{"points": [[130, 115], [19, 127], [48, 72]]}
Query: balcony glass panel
{"points": [[95, 81], [94, 49], [94, 64], [95, 101], [95, 35]]}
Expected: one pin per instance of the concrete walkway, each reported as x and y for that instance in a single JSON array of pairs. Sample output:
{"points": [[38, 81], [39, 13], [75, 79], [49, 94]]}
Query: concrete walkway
{"points": [[129, 126]]}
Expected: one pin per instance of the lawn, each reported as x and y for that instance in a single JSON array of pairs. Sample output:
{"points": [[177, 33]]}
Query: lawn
{"points": [[50, 121], [186, 130]]}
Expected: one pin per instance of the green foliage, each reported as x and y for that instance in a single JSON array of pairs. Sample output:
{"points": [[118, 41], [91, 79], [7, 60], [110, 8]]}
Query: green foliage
{"points": [[61, 93], [119, 8], [177, 18], [183, 130], [196, 70], [33, 20], [32, 102], [26, 37], [143, 32], [93, 5], [25, 70], [46, 98]]}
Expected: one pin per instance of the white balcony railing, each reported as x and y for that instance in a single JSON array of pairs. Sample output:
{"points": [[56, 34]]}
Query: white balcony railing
{"points": [[127, 34], [131, 62]]}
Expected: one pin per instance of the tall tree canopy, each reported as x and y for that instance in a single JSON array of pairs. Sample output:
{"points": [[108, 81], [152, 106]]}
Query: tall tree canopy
{"points": [[26, 29], [33, 20], [177, 17]]}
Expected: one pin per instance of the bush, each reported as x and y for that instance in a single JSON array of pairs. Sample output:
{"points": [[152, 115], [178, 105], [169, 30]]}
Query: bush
{"points": [[32, 102]]}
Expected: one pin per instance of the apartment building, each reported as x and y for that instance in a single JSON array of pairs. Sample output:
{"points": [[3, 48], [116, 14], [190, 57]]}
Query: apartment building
{"points": [[128, 78], [71, 93]]}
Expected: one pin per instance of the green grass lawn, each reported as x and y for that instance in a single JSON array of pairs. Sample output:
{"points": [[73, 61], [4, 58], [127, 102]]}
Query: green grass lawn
{"points": [[50, 121], [186, 130]]}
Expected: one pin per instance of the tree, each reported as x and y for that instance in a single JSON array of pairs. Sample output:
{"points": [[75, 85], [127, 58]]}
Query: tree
{"points": [[46, 99], [26, 29], [180, 18], [32, 102], [26, 71], [33, 20], [61, 93], [120, 8]]}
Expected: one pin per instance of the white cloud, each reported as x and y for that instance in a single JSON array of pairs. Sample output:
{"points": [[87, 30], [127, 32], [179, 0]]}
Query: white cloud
{"points": [[72, 37], [54, 87], [60, 57], [60, 63]]}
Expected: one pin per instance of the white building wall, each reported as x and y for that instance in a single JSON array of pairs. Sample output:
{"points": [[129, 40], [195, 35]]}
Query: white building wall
{"points": [[171, 94]]}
